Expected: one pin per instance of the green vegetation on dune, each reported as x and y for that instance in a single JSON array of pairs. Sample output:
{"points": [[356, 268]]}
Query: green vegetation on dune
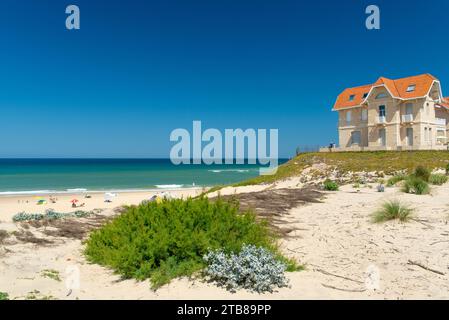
{"points": [[391, 210], [162, 241], [415, 185], [388, 162], [437, 179], [330, 185]]}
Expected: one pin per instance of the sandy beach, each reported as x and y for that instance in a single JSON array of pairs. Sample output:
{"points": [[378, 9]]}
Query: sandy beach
{"points": [[346, 255], [12, 204]]}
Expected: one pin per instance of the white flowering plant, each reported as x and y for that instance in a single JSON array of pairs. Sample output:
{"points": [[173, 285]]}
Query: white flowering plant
{"points": [[253, 268]]}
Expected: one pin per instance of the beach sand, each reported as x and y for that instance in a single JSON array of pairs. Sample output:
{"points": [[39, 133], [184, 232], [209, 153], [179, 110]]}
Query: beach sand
{"points": [[12, 204], [346, 256]]}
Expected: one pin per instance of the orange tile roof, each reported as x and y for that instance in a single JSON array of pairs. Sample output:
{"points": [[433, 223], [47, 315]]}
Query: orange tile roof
{"points": [[398, 89], [445, 102]]}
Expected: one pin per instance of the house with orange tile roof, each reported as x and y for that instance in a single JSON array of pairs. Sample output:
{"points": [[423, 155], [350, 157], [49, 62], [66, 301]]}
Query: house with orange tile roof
{"points": [[402, 114]]}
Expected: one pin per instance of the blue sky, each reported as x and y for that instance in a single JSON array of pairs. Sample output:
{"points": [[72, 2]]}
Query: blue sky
{"points": [[139, 69]]}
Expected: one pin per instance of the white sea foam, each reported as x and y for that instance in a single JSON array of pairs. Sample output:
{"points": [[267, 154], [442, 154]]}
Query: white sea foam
{"points": [[229, 170], [26, 192], [83, 190], [76, 190], [169, 186]]}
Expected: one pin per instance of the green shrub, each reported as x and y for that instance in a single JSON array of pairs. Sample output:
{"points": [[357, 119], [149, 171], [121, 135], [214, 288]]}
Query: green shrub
{"points": [[447, 169], [330, 185], [392, 210], [438, 179], [395, 179], [415, 185], [4, 296], [167, 240], [422, 173]]}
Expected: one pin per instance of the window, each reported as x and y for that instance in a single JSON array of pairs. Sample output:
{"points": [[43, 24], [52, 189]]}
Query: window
{"points": [[411, 88], [409, 134], [382, 137], [365, 95], [381, 95], [364, 114], [426, 135], [355, 137], [409, 108], [382, 112], [348, 117], [351, 97], [441, 136]]}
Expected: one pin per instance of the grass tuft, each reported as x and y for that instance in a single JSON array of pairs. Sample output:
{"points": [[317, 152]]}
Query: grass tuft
{"points": [[422, 173], [415, 185], [395, 179], [437, 179], [51, 274], [391, 210]]}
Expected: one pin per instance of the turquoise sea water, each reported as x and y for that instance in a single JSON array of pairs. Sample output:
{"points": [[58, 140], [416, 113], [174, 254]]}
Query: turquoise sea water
{"points": [[68, 175]]}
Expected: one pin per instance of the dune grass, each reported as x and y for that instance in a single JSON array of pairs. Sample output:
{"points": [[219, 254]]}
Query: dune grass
{"points": [[395, 179], [421, 172], [51, 274], [391, 210], [168, 240], [415, 185], [437, 179], [388, 162]]}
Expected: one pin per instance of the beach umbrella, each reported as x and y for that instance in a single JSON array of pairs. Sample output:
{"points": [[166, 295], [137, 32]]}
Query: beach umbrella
{"points": [[74, 200], [108, 196]]}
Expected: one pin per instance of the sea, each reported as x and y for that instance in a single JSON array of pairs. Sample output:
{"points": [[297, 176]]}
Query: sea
{"points": [[49, 176]]}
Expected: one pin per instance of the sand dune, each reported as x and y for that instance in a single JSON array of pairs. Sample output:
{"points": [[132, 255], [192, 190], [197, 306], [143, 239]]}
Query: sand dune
{"points": [[346, 255]]}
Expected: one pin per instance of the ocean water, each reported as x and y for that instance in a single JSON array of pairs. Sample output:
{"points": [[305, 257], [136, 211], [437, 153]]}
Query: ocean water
{"points": [[23, 176]]}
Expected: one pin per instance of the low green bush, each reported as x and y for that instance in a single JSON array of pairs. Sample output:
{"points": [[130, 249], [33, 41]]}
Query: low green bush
{"points": [[422, 173], [392, 210], [415, 185], [162, 241], [447, 169], [4, 296], [330, 185], [395, 179], [437, 179]]}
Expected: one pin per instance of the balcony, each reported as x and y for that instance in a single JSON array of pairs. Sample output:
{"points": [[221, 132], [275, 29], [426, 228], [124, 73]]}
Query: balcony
{"points": [[381, 120], [407, 118], [440, 122]]}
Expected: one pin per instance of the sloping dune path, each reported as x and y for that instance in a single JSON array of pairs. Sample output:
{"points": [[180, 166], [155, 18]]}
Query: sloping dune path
{"points": [[345, 254]]}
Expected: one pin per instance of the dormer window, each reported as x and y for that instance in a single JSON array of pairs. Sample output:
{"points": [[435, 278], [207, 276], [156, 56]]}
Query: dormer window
{"points": [[411, 88], [351, 97], [381, 95]]}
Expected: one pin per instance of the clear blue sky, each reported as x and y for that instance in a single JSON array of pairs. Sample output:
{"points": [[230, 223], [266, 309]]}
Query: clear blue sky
{"points": [[138, 69]]}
